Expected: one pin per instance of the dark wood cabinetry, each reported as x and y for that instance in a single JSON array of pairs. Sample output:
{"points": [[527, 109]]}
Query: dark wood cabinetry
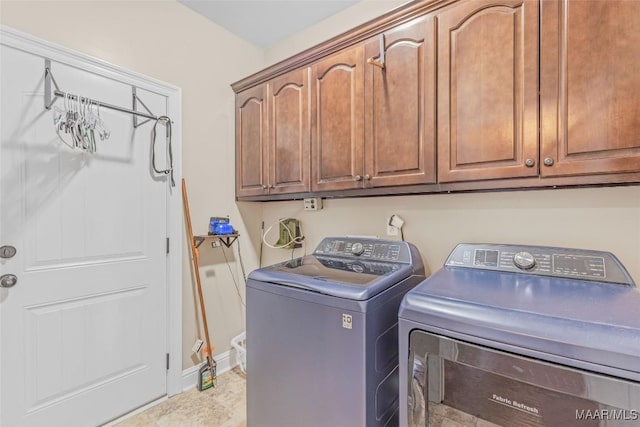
{"points": [[449, 95], [400, 106], [589, 87], [289, 133], [272, 136], [374, 121], [488, 90], [337, 133], [251, 142], [488, 101]]}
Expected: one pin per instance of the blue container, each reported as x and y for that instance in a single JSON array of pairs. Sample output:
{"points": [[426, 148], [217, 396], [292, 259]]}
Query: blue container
{"points": [[220, 225]]}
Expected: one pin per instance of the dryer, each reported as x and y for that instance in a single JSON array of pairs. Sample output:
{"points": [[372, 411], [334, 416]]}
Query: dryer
{"points": [[522, 335]]}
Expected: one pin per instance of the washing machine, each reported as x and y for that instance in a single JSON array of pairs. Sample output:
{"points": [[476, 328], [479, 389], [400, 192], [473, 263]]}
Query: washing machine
{"points": [[522, 336], [322, 335]]}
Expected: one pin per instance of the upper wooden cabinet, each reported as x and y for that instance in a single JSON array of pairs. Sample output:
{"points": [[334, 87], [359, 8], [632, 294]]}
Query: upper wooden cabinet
{"points": [[488, 90], [374, 122], [589, 87], [251, 142], [400, 106], [337, 134], [289, 133], [272, 136]]}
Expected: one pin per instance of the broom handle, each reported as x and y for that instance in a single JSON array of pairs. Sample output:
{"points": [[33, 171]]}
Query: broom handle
{"points": [[196, 267]]}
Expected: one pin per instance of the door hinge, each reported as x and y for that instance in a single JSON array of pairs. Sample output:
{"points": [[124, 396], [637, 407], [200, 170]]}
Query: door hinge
{"points": [[167, 361], [167, 245]]}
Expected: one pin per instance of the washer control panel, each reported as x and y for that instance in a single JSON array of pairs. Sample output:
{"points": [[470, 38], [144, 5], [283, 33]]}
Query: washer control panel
{"points": [[541, 260], [373, 249]]}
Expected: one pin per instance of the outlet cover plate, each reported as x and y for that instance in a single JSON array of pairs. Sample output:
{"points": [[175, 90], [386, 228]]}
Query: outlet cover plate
{"points": [[313, 204]]}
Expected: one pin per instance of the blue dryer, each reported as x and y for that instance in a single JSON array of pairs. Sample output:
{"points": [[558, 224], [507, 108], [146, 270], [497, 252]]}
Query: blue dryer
{"points": [[522, 336]]}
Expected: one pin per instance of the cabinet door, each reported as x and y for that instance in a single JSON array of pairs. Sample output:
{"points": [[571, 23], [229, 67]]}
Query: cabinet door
{"points": [[337, 121], [400, 106], [289, 128], [251, 142], [487, 90], [590, 81]]}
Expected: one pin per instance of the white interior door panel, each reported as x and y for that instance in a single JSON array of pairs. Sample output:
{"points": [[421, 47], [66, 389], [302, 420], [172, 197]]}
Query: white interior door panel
{"points": [[83, 330]]}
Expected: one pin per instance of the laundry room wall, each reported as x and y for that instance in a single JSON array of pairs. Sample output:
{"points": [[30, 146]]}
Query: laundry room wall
{"points": [[590, 218], [595, 218], [168, 41]]}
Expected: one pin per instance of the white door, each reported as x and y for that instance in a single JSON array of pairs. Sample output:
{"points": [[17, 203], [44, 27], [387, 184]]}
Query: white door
{"points": [[83, 331]]}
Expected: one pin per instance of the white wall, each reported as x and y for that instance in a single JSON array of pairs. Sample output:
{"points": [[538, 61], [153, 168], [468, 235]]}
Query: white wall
{"points": [[167, 41]]}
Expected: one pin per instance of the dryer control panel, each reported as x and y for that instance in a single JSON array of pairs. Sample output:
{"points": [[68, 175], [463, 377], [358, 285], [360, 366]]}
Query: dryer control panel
{"points": [[541, 260]]}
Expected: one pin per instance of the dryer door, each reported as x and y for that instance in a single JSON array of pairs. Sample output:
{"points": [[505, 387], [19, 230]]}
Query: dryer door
{"points": [[466, 382]]}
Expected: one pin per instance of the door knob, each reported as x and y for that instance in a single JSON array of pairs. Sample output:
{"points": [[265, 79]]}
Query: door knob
{"points": [[8, 280], [367, 177], [548, 161], [358, 178], [7, 251], [529, 163]]}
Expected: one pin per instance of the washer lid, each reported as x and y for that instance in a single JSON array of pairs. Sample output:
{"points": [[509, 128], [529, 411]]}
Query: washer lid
{"points": [[341, 277], [580, 320]]}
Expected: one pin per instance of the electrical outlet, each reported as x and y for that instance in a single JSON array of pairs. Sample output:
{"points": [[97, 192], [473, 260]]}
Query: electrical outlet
{"points": [[197, 346], [313, 204], [392, 230]]}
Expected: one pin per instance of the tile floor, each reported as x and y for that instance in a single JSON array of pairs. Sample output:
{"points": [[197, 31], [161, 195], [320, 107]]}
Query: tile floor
{"points": [[221, 406], [225, 406], [446, 416]]}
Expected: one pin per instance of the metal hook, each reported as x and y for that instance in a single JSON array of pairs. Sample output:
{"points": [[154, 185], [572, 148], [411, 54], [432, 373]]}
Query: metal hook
{"points": [[169, 170], [380, 61]]}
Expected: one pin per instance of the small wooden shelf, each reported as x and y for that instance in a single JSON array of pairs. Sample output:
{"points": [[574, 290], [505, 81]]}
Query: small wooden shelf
{"points": [[225, 239]]}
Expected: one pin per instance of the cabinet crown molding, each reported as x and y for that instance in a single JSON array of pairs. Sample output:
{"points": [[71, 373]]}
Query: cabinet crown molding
{"points": [[394, 17]]}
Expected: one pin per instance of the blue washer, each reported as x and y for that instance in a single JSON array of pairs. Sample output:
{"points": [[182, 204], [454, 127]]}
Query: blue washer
{"points": [[322, 335]]}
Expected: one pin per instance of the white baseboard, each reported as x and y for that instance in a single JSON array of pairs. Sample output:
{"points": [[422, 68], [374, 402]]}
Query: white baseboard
{"points": [[226, 361]]}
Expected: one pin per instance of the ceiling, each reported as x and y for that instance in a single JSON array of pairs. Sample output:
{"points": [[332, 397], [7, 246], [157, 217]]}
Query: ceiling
{"points": [[265, 22]]}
